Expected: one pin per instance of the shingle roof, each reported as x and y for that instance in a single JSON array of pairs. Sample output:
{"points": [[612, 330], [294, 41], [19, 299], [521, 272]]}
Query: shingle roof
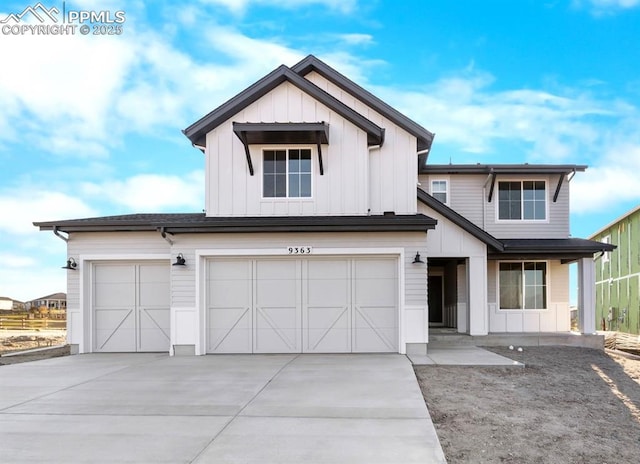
{"points": [[499, 168]]}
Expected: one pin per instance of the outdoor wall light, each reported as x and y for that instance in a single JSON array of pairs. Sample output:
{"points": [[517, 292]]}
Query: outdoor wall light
{"points": [[71, 264], [180, 261], [417, 259]]}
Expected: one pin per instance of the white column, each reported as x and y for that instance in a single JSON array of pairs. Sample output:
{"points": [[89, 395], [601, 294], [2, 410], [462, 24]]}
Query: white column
{"points": [[586, 296], [478, 315]]}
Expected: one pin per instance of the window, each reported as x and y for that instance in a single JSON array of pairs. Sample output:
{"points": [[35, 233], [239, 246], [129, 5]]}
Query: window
{"points": [[524, 200], [440, 190], [523, 285], [287, 173]]}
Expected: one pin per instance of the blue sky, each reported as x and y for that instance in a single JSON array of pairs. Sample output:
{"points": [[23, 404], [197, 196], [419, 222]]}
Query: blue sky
{"points": [[91, 125]]}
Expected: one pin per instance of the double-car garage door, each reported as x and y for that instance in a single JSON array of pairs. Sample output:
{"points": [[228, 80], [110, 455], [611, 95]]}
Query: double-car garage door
{"points": [[310, 305]]}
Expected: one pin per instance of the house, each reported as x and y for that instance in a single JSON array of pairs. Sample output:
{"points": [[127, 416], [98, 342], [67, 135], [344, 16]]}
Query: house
{"points": [[9, 304], [618, 275], [56, 302], [326, 230]]}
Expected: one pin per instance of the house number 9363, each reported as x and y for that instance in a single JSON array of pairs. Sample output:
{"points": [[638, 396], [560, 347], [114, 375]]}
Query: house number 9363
{"points": [[299, 250]]}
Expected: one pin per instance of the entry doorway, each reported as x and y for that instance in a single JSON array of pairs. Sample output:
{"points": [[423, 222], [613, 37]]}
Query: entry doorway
{"points": [[435, 298]]}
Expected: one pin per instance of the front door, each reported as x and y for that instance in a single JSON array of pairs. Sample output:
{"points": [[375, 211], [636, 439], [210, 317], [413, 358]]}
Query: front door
{"points": [[436, 300]]}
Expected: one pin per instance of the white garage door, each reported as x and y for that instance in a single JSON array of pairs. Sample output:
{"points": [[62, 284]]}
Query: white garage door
{"points": [[314, 305], [130, 307]]}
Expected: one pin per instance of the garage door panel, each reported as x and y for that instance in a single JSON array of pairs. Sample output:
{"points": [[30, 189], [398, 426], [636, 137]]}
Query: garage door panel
{"points": [[327, 330], [154, 329], [375, 329], [230, 330], [115, 330], [229, 316], [277, 330]]}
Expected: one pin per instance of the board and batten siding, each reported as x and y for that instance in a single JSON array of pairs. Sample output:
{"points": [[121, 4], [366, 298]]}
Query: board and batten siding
{"points": [[555, 318], [393, 167], [468, 197], [232, 191]]}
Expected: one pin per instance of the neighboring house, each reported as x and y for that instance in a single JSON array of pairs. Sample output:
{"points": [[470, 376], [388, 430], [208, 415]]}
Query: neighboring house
{"points": [[317, 237], [9, 304], [56, 301], [618, 275]]}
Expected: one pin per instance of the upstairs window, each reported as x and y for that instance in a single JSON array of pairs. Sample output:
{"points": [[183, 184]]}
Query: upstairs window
{"points": [[523, 285], [440, 190], [287, 173], [522, 200]]}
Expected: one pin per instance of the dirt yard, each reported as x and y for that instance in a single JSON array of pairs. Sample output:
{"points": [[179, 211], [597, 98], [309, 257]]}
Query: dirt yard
{"points": [[20, 340], [569, 405]]}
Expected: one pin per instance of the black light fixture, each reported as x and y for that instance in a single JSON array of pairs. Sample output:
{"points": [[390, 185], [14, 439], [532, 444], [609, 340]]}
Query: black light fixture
{"points": [[417, 259], [71, 264], [180, 261]]}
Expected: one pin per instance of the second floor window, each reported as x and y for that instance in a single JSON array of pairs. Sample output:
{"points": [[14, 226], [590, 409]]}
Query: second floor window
{"points": [[287, 173], [439, 191], [522, 200]]}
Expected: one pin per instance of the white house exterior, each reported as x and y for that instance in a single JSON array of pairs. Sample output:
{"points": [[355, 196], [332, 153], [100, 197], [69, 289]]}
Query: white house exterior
{"points": [[326, 230]]}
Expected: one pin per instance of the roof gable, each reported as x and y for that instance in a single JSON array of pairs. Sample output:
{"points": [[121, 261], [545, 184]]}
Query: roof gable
{"points": [[197, 131], [459, 220], [311, 63]]}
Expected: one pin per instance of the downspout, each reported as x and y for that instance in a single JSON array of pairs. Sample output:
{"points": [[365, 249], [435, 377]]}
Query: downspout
{"points": [[367, 179], [164, 236], [57, 234], [484, 195]]}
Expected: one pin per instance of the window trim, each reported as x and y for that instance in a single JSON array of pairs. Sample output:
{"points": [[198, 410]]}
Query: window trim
{"points": [[523, 221], [547, 285], [286, 148], [447, 192]]}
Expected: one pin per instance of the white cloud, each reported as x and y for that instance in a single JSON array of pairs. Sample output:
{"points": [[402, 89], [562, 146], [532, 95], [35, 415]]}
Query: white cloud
{"points": [[240, 6], [613, 181], [356, 39], [467, 114], [19, 209], [606, 7], [152, 192]]}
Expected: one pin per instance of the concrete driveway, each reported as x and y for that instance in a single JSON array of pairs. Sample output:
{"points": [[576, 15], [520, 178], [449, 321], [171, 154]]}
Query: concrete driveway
{"points": [[149, 408]]}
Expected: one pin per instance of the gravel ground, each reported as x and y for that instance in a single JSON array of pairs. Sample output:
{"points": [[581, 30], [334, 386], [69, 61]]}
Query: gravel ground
{"points": [[569, 405]]}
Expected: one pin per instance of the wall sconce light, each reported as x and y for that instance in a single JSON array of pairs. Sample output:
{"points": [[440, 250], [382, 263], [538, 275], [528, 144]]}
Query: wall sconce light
{"points": [[417, 259], [71, 264], [180, 261]]}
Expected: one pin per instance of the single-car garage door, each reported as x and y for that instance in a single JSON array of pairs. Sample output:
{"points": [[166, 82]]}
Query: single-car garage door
{"points": [[130, 307], [312, 305]]}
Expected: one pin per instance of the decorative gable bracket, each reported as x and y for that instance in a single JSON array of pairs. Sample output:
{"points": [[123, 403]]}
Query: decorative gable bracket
{"points": [[285, 133]]}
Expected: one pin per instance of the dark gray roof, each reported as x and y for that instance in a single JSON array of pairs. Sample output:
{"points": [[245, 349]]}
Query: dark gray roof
{"points": [[499, 168], [199, 223], [282, 132], [459, 220], [554, 245], [197, 131], [311, 63], [564, 249]]}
